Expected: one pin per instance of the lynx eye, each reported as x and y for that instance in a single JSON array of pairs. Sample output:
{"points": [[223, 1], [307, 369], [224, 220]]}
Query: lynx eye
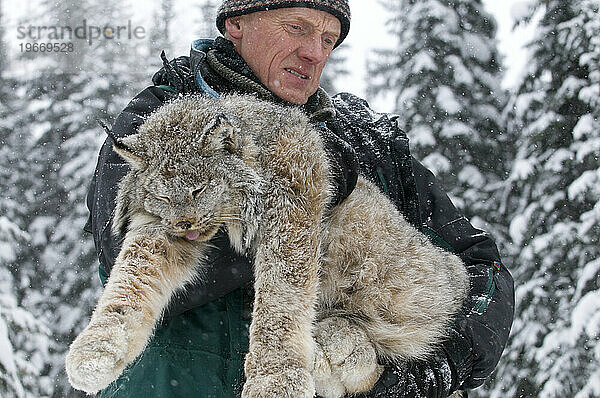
{"points": [[165, 199], [198, 191]]}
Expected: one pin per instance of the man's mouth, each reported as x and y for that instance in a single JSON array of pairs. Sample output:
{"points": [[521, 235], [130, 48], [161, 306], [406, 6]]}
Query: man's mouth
{"points": [[300, 75]]}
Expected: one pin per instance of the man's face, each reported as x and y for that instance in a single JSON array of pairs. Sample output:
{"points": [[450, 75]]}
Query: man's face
{"points": [[287, 48]]}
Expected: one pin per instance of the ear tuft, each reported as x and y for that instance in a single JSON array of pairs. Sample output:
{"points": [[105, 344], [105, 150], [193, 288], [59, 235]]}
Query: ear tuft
{"points": [[106, 129]]}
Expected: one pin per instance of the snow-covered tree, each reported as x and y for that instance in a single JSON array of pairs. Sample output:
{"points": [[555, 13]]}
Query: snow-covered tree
{"points": [[442, 74], [160, 35], [24, 339], [336, 68], [206, 24], [554, 350], [54, 124]]}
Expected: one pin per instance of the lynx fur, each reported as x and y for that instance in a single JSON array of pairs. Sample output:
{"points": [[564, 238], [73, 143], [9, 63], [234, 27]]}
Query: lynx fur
{"points": [[334, 290]]}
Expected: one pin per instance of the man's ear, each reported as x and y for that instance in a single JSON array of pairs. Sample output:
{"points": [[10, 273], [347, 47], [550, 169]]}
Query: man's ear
{"points": [[234, 27], [130, 148]]}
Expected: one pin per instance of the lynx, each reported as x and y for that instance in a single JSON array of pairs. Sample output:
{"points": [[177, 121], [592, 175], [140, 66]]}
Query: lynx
{"points": [[335, 289]]}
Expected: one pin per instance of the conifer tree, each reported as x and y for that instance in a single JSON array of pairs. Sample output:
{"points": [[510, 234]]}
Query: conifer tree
{"points": [[335, 69], [443, 76], [24, 339], [554, 349], [207, 17], [57, 274], [160, 36]]}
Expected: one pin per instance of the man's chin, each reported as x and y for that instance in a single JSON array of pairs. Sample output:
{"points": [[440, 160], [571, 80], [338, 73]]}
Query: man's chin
{"points": [[298, 97], [297, 101]]}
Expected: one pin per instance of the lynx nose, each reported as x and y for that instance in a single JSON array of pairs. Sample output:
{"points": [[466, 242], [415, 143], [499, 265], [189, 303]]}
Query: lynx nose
{"points": [[183, 224]]}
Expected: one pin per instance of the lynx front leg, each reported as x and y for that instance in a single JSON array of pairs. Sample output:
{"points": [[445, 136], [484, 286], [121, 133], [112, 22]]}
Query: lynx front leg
{"points": [[146, 273], [281, 344], [286, 266], [286, 278]]}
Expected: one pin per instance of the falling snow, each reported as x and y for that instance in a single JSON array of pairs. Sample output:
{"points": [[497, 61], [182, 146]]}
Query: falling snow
{"points": [[511, 128]]}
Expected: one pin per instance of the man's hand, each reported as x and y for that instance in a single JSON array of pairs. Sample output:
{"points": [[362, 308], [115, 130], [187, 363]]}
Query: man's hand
{"points": [[428, 379], [345, 359], [176, 73]]}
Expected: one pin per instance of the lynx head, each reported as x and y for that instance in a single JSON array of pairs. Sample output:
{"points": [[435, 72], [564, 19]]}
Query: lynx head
{"points": [[192, 172]]}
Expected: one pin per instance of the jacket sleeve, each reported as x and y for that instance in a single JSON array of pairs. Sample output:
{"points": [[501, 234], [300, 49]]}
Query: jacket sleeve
{"points": [[480, 331]]}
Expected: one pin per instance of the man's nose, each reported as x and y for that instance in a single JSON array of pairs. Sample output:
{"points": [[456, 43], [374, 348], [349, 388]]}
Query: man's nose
{"points": [[312, 50]]}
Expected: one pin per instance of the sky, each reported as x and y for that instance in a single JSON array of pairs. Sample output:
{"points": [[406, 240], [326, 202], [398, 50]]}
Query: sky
{"points": [[511, 39]]}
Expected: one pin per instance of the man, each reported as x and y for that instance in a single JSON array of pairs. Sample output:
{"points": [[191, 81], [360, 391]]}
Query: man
{"points": [[277, 49]]}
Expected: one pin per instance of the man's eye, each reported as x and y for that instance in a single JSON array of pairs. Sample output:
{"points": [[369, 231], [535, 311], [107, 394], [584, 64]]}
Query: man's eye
{"points": [[295, 28]]}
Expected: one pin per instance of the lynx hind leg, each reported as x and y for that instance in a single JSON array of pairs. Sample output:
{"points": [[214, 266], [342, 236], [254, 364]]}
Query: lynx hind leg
{"points": [[146, 273], [345, 359], [404, 290]]}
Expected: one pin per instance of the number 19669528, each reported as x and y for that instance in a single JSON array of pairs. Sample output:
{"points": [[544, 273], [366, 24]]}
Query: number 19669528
{"points": [[46, 47]]}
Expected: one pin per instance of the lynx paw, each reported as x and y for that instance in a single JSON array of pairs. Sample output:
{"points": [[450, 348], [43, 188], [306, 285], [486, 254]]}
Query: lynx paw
{"points": [[97, 357], [291, 383], [345, 359]]}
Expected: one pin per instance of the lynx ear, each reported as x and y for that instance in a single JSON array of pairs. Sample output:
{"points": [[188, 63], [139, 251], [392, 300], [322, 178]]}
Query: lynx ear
{"points": [[130, 148], [220, 133]]}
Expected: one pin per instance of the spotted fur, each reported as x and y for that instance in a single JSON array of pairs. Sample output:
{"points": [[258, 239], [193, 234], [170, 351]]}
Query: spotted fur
{"points": [[333, 290]]}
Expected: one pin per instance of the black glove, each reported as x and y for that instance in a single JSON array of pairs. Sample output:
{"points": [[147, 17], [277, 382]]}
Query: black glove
{"points": [[343, 163], [429, 379], [176, 73]]}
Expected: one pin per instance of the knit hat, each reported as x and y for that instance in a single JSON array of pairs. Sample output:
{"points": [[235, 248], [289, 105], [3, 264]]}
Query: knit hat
{"points": [[338, 8]]}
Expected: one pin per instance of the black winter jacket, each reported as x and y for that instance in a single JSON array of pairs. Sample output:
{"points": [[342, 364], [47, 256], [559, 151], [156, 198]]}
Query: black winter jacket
{"points": [[480, 331]]}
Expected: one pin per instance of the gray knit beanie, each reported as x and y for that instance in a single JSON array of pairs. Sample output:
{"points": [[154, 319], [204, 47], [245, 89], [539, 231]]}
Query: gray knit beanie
{"points": [[338, 8]]}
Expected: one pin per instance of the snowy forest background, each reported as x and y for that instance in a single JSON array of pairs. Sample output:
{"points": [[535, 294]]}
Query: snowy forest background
{"points": [[523, 164]]}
